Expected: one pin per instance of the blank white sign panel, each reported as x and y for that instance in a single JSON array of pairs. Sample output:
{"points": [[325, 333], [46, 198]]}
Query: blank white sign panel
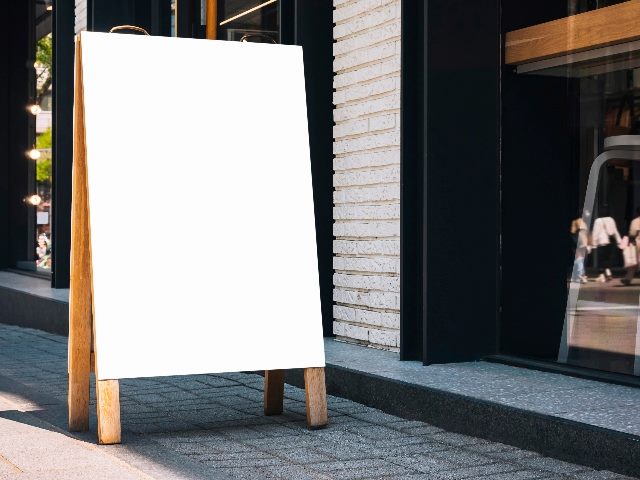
{"points": [[201, 208]]}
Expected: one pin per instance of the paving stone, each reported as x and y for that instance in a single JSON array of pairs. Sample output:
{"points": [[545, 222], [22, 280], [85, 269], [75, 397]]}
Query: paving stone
{"points": [[514, 455], [375, 431], [596, 475], [385, 471], [303, 456], [350, 464], [213, 426], [412, 449], [551, 465], [240, 462], [147, 398], [247, 473], [456, 439], [519, 475], [376, 416], [426, 463], [158, 427], [464, 457], [342, 421], [290, 472], [480, 471], [491, 447]]}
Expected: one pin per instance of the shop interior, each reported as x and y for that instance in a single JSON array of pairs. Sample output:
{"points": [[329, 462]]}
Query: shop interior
{"points": [[572, 257]]}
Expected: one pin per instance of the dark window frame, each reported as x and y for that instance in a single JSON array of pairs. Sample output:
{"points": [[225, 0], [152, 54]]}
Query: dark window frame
{"points": [[63, 68], [17, 89], [449, 44]]}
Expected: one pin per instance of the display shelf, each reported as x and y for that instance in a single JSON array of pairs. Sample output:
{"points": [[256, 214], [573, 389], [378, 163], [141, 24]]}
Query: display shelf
{"points": [[579, 45]]}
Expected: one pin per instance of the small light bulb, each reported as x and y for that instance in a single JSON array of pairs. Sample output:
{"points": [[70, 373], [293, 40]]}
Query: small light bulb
{"points": [[49, 8], [35, 64], [34, 200], [34, 154], [35, 109]]}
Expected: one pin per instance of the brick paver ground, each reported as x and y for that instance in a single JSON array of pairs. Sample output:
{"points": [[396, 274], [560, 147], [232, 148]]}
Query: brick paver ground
{"points": [[212, 426]]}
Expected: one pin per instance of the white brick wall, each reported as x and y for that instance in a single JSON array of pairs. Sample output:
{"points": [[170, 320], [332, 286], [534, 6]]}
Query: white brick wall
{"points": [[81, 15], [366, 177]]}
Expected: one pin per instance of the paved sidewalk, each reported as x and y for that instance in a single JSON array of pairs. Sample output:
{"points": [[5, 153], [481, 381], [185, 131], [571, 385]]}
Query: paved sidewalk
{"points": [[212, 426]]}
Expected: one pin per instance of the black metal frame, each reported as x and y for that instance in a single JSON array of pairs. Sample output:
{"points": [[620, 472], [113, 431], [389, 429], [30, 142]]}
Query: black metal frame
{"points": [[313, 30], [413, 223], [566, 369], [450, 216], [63, 59], [152, 15], [17, 91]]}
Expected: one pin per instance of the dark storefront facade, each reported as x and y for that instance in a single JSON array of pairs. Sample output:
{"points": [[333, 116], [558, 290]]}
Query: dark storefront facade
{"points": [[527, 253]]}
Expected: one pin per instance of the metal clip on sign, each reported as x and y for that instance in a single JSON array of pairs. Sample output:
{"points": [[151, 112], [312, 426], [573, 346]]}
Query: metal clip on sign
{"points": [[245, 38], [129, 27]]}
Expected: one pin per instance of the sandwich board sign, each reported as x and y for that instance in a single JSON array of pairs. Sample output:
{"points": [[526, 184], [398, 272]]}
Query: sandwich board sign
{"points": [[193, 234]]}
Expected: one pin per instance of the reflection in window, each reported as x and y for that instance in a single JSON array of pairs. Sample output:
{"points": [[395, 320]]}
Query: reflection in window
{"points": [[579, 104], [248, 20], [603, 309], [42, 109], [581, 6]]}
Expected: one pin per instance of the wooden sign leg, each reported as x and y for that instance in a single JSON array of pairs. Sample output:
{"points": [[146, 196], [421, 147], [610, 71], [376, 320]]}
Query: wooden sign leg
{"points": [[273, 392], [316, 396], [80, 293], [81, 296], [79, 367], [108, 404]]}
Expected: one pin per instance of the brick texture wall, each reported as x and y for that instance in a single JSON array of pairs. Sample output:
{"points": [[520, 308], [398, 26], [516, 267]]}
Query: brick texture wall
{"points": [[366, 177], [81, 15]]}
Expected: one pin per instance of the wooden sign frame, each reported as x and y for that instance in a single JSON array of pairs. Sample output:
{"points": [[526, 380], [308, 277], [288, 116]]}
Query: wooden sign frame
{"points": [[82, 329]]}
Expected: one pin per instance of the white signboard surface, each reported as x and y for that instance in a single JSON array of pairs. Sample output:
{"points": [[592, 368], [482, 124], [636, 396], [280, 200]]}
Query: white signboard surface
{"points": [[201, 209]]}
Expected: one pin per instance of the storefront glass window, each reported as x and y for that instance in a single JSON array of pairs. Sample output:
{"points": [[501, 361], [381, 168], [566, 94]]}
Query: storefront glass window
{"points": [[44, 168], [248, 20], [578, 105]]}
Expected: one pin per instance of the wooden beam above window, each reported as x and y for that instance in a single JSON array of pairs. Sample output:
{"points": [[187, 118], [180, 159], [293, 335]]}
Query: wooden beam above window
{"points": [[598, 28]]}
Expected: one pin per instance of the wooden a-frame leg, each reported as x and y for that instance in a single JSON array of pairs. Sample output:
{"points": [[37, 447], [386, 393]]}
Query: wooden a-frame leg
{"points": [[79, 368], [80, 294], [108, 405], [273, 392], [316, 396]]}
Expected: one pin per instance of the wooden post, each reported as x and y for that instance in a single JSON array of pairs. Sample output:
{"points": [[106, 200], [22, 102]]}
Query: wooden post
{"points": [[80, 292], [81, 297], [273, 392], [108, 404], [316, 396], [212, 19]]}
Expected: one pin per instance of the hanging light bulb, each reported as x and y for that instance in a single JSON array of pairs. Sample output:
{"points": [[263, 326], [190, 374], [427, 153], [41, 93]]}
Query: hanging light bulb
{"points": [[34, 200], [34, 154], [34, 109]]}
